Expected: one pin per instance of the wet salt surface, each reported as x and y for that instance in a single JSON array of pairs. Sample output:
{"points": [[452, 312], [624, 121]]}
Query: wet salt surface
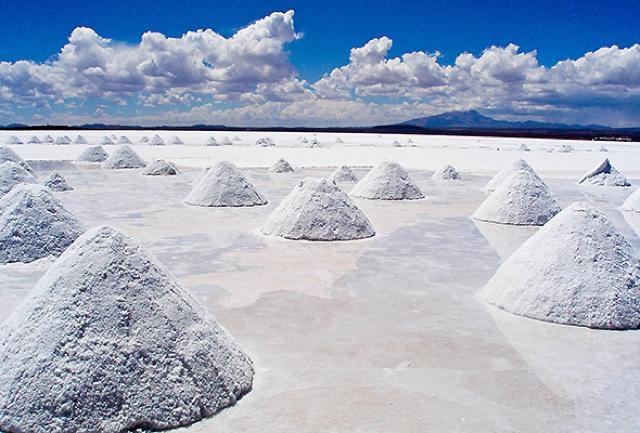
{"points": [[378, 335]]}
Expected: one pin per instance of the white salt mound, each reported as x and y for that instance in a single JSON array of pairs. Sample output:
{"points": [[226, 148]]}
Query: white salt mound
{"points": [[156, 140], [343, 174], [303, 140], [80, 140], [236, 138], [14, 140], [387, 181], [34, 140], [224, 186], [123, 157], [576, 270], [605, 175], [34, 224], [339, 140], [109, 342], [632, 203], [176, 140], [314, 142], [318, 210], [265, 142], [602, 149], [409, 141], [226, 141], [106, 140], [396, 143], [564, 148], [281, 166], [523, 147], [6, 154], [124, 140], [519, 164], [521, 199], [56, 182], [161, 167], [12, 174], [447, 173], [47, 139], [63, 140], [144, 139], [92, 154], [211, 141]]}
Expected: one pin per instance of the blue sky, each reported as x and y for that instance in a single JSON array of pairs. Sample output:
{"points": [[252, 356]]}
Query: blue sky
{"points": [[326, 32]]}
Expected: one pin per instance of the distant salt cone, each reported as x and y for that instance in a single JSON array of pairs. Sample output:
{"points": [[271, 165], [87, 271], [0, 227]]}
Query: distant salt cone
{"points": [[387, 181], [576, 270], [12, 174], [281, 166], [318, 210], [236, 138], [343, 174], [93, 154], [447, 173], [34, 224], [605, 175], [80, 140], [519, 164], [34, 140], [265, 142], [564, 148], [224, 186], [47, 139], [602, 149], [56, 182], [106, 140], [161, 167], [176, 140], [144, 139], [226, 141], [156, 140], [521, 199], [339, 140], [524, 148], [14, 140], [211, 141], [124, 140], [632, 203], [123, 157], [109, 342]]}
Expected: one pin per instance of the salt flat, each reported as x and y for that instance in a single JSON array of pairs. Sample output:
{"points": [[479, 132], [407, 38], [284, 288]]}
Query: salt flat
{"points": [[381, 334]]}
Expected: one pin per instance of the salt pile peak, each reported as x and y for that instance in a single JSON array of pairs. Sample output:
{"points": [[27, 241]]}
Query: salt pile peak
{"points": [[576, 270], [14, 140], [281, 166], [521, 199], [523, 147], [343, 174], [447, 173], [106, 140], [156, 140], [34, 140], [176, 140], [108, 341], [12, 174], [160, 167], [387, 181], [518, 164], [318, 210], [92, 154], [605, 175], [80, 140], [124, 140], [224, 186], [56, 182], [123, 157], [211, 141], [34, 224]]}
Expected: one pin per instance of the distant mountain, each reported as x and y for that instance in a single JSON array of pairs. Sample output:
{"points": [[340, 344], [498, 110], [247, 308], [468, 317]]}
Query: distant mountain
{"points": [[474, 120]]}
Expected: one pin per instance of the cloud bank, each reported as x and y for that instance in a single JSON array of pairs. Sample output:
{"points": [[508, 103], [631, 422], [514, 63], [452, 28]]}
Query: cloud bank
{"points": [[248, 79]]}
